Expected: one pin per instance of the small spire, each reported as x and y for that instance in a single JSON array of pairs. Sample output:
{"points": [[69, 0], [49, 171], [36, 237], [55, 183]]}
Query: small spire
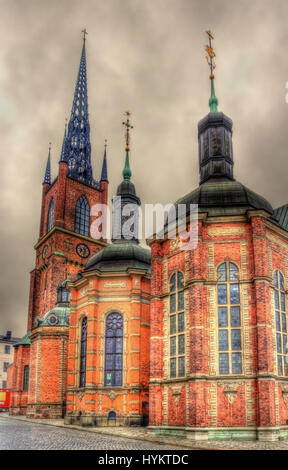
{"points": [[47, 177], [62, 156], [127, 171], [104, 175], [213, 101]]}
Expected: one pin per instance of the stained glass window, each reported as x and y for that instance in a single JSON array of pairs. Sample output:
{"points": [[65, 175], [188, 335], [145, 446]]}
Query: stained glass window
{"points": [[229, 319], [83, 352], [82, 219], [281, 323], [113, 350], [177, 326], [50, 220]]}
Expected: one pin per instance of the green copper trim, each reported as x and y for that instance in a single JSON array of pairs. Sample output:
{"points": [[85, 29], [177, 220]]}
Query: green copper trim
{"points": [[127, 171], [58, 253], [213, 101]]}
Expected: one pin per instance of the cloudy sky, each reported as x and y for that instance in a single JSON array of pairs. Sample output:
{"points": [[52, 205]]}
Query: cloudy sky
{"points": [[146, 56]]}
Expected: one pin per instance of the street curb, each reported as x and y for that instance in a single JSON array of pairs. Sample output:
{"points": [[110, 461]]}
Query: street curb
{"points": [[107, 433]]}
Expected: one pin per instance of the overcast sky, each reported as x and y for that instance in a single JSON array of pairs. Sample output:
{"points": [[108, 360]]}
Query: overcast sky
{"points": [[146, 56]]}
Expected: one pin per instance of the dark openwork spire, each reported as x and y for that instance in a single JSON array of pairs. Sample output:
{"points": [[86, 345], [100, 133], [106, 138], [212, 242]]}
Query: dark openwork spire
{"points": [[77, 147], [104, 174], [47, 177], [126, 191], [215, 134]]}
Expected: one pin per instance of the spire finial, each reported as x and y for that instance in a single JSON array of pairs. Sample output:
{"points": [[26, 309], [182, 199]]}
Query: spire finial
{"points": [[127, 171], [47, 177], [213, 101], [84, 34], [128, 127]]}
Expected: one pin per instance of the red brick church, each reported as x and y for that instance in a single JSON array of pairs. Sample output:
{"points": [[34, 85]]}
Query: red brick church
{"points": [[191, 342]]}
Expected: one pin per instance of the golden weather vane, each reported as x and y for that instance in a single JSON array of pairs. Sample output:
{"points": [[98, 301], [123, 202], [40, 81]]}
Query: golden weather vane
{"points": [[128, 127], [84, 34], [211, 54]]}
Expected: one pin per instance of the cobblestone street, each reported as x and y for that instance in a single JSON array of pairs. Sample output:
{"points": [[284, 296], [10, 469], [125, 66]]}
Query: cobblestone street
{"points": [[20, 435]]}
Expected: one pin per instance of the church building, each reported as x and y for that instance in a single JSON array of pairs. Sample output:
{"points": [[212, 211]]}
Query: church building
{"points": [[188, 342]]}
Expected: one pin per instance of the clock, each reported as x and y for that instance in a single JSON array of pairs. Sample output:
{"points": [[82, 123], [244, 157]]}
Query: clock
{"points": [[44, 251], [82, 250]]}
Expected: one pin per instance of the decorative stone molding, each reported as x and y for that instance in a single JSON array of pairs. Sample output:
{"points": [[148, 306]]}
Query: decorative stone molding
{"points": [[285, 394], [111, 284], [112, 395], [231, 391], [176, 393], [81, 394], [225, 231], [175, 244], [84, 291]]}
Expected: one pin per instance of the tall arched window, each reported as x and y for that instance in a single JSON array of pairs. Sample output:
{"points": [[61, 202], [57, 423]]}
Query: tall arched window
{"points": [[281, 323], [177, 326], [83, 352], [50, 219], [229, 319], [25, 378], [82, 219], [113, 350]]}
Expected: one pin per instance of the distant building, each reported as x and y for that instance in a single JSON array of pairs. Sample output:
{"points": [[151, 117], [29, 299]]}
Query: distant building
{"points": [[6, 355]]}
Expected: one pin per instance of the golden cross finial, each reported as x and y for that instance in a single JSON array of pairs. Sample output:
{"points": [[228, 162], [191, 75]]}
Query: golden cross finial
{"points": [[128, 127], [211, 54], [49, 146], [105, 143], [84, 34]]}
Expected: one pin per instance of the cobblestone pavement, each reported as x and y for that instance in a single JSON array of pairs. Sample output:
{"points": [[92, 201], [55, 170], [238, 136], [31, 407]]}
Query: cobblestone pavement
{"points": [[20, 435], [16, 432]]}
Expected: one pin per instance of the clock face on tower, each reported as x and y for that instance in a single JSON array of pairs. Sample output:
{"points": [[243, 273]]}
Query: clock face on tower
{"points": [[82, 250]]}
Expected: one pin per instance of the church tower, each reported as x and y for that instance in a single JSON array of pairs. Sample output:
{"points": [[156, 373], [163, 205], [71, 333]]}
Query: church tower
{"points": [[64, 245], [64, 242]]}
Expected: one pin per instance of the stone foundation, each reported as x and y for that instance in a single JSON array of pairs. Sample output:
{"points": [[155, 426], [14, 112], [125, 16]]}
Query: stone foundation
{"points": [[237, 434], [45, 410], [17, 410], [102, 421]]}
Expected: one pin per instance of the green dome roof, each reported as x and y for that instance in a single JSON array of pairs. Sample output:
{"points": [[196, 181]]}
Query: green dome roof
{"points": [[120, 256], [225, 197], [57, 316]]}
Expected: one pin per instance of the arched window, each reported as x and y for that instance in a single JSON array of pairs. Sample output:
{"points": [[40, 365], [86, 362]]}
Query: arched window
{"points": [[83, 352], [177, 326], [113, 350], [281, 323], [82, 219], [229, 319], [50, 220], [26, 378]]}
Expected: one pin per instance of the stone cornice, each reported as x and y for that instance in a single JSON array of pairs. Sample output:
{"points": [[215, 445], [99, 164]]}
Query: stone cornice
{"points": [[68, 232]]}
